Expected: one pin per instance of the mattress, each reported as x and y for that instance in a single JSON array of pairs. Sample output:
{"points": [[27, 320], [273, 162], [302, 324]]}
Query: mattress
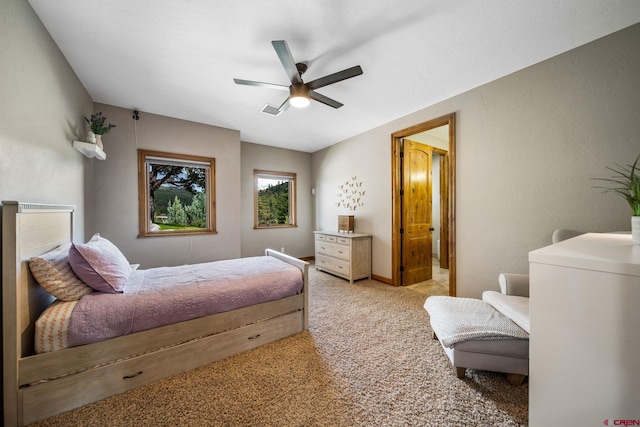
{"points": [[165, 295]]}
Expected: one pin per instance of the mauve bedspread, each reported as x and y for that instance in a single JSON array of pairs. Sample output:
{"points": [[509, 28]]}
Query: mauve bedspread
{"points": [[165, 295]]}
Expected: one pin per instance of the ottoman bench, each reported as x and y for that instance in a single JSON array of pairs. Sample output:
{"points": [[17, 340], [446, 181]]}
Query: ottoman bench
{"points": [[475, 335]]}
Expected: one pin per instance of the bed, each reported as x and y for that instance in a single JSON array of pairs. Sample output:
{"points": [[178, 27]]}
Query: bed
{"points": [[37, 386]]}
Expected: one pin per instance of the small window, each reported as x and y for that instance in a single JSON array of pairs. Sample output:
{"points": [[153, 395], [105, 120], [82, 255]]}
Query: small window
{"points": [[176, 194], [275, 199]]}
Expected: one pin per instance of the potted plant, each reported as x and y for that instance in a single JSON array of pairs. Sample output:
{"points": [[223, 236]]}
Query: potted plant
{"points": [[98, 128], [626, 183]]}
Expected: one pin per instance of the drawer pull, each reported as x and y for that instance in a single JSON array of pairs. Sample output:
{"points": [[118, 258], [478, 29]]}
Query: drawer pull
{"points": [[254, 337], [128, 377]]}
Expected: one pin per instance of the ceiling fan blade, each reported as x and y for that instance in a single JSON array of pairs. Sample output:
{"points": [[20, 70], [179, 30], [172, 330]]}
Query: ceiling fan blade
{"points": [[324, 99], [282, 49], [285, 105], [335, 77], [260, 84]]}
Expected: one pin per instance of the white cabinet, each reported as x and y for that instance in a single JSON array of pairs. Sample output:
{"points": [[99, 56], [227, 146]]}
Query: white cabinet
{"points": [[584, 353], [347, 255]]}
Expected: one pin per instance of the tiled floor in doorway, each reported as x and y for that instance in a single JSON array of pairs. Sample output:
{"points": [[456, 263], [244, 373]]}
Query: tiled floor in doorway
{"points": [[438, 285]]}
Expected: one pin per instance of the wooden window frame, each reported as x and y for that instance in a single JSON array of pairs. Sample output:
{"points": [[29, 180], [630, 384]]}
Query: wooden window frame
{"points": [[292, 199], [144, 199]]}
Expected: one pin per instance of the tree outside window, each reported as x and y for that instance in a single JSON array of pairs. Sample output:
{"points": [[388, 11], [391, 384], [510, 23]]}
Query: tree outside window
{"points": [[176, 194], [274, 199]]}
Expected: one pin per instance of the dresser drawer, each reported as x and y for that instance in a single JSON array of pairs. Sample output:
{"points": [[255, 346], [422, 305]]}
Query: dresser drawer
{"points": [[332, 239], [333, 249], [343, 241], [332, 264], [328, 238]]}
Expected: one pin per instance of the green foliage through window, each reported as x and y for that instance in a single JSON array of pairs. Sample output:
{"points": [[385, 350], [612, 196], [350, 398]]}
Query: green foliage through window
{"points": [[176, 194], [275, 199]]}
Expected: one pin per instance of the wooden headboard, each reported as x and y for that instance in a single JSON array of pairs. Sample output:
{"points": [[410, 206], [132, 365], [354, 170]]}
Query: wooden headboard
{"points": [[28, 229]]}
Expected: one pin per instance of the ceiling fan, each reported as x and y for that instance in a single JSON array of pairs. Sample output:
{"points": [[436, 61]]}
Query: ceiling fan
{"points": [[300, 93]]}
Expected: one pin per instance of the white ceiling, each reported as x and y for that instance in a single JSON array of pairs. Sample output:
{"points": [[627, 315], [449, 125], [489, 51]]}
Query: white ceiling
{"points": [[179, 58]]}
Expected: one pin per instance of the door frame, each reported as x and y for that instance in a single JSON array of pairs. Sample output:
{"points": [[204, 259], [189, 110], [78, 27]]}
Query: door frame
{"points": [[396, 186]]}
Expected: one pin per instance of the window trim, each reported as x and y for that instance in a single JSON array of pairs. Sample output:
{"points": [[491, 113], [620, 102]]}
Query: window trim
{"points": [[143, 192], [292, 199]]}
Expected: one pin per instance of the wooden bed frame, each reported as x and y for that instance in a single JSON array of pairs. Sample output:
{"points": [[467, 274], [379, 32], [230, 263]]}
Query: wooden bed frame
{"points": [[119, 364]]}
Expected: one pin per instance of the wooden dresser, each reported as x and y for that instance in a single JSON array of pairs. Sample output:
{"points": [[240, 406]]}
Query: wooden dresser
{"points": [[347, 255]]}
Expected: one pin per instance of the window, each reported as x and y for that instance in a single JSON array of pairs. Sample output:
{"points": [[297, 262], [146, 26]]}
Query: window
{"points": [[274, 199], [176, 193]]}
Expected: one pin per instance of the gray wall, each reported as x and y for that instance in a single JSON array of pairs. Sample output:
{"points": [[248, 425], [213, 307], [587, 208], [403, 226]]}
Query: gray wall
{"points": [[116, 187], [527, 147], [296, 241], [42, 105]]}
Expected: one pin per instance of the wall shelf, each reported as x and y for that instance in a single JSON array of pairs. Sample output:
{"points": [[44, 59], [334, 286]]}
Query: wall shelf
{"points": [[90, 150]]}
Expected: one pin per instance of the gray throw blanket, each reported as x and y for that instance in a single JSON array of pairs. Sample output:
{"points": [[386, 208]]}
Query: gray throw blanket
{"points": [[456, 320]]}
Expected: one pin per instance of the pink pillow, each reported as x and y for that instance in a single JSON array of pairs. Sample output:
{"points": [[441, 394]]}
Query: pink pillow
{"points": [[100, 264]]}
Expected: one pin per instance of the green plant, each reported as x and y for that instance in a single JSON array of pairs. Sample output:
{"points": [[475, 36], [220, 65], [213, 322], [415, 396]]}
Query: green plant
{"points": [[626, 183], [97, 125]]}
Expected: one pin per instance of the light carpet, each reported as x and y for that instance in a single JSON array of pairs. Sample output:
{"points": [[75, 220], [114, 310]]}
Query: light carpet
{"points": [[368, 359]]}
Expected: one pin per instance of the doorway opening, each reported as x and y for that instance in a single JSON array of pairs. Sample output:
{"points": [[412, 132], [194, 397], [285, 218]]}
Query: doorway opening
{"points": [[413, 241]]}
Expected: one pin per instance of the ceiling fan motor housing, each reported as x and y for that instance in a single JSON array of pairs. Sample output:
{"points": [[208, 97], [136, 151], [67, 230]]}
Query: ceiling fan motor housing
{"points": [[299, 89], [299, 95]]}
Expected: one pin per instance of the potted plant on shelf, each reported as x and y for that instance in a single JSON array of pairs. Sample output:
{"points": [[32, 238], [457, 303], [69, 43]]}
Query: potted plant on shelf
{"points": [[626, 183], [98, 128]]}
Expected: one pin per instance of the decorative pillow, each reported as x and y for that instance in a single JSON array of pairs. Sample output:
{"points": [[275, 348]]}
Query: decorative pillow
{"points": [[100, 264], [54, 274]]}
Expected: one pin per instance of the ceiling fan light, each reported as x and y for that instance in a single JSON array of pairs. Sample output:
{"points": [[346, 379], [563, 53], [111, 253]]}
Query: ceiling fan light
{"points": [[300, 101]]}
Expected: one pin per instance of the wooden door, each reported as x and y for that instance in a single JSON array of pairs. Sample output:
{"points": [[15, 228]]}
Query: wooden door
{"points": [[417, 223]]}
